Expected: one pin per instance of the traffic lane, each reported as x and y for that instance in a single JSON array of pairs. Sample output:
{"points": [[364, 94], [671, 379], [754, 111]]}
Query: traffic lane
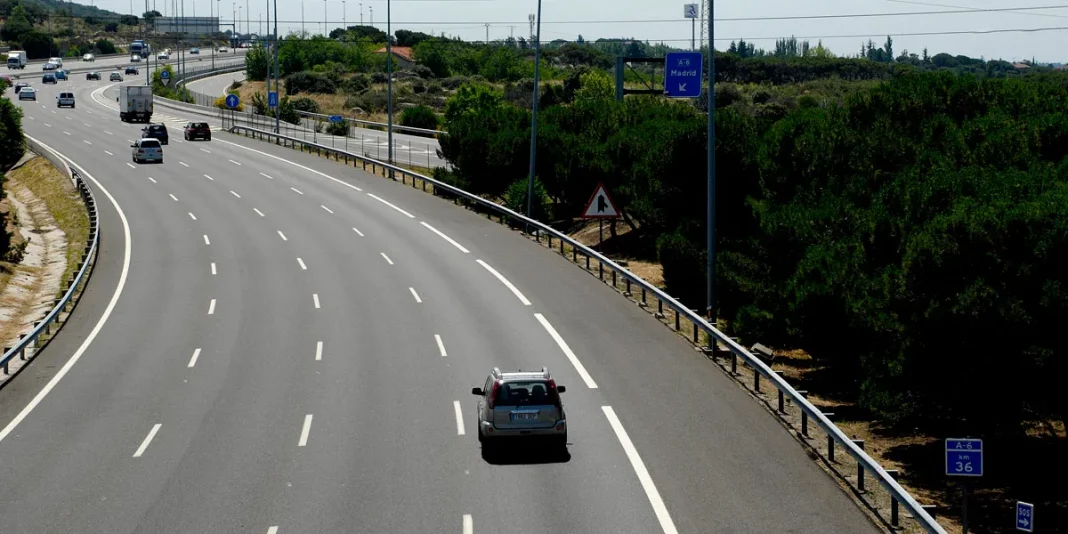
{"points": [[79, 66], [615, 339], [215, 85]]}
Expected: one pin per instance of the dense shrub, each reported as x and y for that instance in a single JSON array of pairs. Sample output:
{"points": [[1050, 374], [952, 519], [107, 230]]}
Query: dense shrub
{"points": [[340, 129], [423, 71], [418, 87], [379, 77], [420, 117], [105, 46], [454, 82], [515, 199], [356, 84], [11, 139], [310, 82], [305, 104]]}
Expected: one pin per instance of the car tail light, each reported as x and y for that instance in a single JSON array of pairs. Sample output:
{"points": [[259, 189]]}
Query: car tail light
{"points": [[140, 151], [493, 393], [552, 384]]}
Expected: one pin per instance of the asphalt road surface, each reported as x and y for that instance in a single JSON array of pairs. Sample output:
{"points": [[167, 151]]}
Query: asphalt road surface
{"points": [[273, 342], [34, 70]]}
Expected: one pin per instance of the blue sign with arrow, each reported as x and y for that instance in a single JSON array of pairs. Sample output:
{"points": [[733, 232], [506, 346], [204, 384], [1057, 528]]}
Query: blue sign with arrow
{"points": [[1025, 517], [272, 99], [964, 457], [232, 101], [683, 73], [337, 118]]}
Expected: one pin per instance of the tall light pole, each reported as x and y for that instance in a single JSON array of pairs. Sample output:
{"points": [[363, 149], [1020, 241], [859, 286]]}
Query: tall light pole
{"points": [[372, 8], [276, 74], [711, 209], [211, 15], [248, 14], [361, 13], [389, 81], [301, 19], [344, 18], [324, 18], [534, 118]]}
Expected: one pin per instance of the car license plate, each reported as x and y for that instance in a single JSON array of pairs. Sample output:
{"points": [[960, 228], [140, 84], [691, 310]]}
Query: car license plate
{"points": [[524, 416]]}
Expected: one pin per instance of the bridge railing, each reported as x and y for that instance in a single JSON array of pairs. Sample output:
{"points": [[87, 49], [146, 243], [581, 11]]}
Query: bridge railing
{"points": [[703, 334]]}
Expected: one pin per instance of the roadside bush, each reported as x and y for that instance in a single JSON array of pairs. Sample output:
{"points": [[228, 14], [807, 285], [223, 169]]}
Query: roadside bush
{"points": [[306, 105], [370, 101], [356, 84], [310, 82], [420, 117], [340, 129], [515, 199], [434, 88], [684, 266], [454, 82], [423, 71], [105, 46], [418, 87], [11, 139], [379, 77]]}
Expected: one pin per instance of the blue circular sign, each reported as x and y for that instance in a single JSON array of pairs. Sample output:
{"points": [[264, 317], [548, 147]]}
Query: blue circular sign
{"points": [[232, 101], [165, 74]]}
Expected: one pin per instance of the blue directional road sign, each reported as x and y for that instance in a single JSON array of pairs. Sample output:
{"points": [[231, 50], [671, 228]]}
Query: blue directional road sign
{"points": [[964, 457], [164, 74], [337, 118], [682, 75], [1025, 517], [272, 99], [232, 101]]}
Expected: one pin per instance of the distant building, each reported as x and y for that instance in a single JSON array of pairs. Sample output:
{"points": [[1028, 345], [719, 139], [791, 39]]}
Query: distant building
{"points": [[1021, 66], [402, 55]]}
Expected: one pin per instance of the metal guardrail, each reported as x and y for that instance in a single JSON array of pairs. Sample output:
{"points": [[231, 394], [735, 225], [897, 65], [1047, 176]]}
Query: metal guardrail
{"points": [[43, 327], [835, 436], [353, 123]]}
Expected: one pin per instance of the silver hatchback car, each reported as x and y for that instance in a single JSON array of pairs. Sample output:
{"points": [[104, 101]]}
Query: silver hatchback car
{"points": [[520, 404], [147, 149]]}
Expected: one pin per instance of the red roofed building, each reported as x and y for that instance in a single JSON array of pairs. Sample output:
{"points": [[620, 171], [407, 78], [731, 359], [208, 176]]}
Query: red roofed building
{"points": [[402, 55]]}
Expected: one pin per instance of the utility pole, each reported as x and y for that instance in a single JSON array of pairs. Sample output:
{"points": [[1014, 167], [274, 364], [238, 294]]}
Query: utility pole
{"points": [[325, 16], [372, 8], [487, 32], [361, 13], [711, 222], [344, 19], [530, 19], [276, 73], [248, 15], [534, 119], [301, 19], [214, 30], [389, 74]]}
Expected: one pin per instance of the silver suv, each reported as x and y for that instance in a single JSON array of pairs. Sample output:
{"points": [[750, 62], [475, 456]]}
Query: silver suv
{"points": [[520, 404]]}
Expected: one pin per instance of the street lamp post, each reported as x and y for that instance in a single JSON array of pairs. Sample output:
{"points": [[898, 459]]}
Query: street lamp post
{"points": [[276, 74], [711, 209], [534, 118], [324, 18], [344, 17], [389, 81]]}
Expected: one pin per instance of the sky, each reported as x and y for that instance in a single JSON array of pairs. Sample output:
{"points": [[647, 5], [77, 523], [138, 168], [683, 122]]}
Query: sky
{"points": [[663, 21]]}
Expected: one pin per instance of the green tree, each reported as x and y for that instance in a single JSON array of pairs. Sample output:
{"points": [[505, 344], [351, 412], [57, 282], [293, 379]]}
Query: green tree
{"points": [[11, 138], [256, 63], [17, 25], [595, 84], [105, 46], [38, 45]]}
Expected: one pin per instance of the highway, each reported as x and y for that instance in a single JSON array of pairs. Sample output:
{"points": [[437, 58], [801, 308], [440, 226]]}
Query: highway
{"points": [[276, 343], [34, 69]]}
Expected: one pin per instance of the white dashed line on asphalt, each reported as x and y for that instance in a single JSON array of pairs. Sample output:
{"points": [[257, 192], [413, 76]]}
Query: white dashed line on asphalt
{"points": [[86, 124], [469, 524], [174, 197], [283, 236], [304, 431], [206, 241], [302, 266], [416, 295], [107, 132], [267, 176], [409, 215], [108, 153], [315, 299], [506, 283], [567, 351], [49, 125], [258, 212], [209, 178], [272, 530], [661, 511], [130, 165], [183, 164], [205, 150], [446, 238], [211, 307], [86, 141], [191, 216], [66, 132], [441, 346], [389, 261], [459, 417], [213, 271], [235, 194], [153, 180], [328, 210], [318, 350], [148, 439], [193, 360], [297, 191], [235, 163], [359, 233]]}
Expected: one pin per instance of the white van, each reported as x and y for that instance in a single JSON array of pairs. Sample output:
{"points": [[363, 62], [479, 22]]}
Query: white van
{"points": [[58, 61]]}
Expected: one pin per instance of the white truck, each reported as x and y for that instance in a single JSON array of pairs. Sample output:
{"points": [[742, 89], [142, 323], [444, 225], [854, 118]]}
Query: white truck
{"points": [[16, 59], [135, 103]]}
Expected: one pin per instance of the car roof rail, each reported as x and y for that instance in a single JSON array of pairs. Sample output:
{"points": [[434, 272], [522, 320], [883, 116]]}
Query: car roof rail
{"points": [[545, 371], [496, 372]]}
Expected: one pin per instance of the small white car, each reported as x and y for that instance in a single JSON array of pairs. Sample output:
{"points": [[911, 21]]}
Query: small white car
{"points": [[50, 66], [163, 57], [28, 93], [65, 99], [147, 149], [194, 51], [135, 59], [88, 57], [57, 60], [223, 50]]}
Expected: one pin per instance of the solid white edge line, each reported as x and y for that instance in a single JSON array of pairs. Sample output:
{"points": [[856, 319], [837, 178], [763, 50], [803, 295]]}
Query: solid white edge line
{"points": [[506, 283], [358, 232], [459, 417], [304, 431], [416, 295], [446, 238], [148, 439], [193, 360], [328, 210], [232, 192], [194, 217], [315, 298], [283, 236], [324, 175], [302, 266], [376, 197], [258, 212], [213, 269], [103, 318], [567, 351], [441, 346], [211, 307], [389, 261], [468, 524], [318, 350], [206, 240], [661, 511]]}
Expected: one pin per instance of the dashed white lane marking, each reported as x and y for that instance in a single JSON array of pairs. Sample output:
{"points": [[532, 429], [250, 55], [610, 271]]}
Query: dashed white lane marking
{"points": [[235, 194], [304, 431], [416, 295], [193, 360], [211, 307], [297, 191], [174, 197], [267, 176], [318, 350], [49, 125], [409, 215], [315, 299], [213, 271], [567, 351], [441, 346], [235, 163], [183, 164], [108, 153], [389, 261], [506, 283], [205, 150], [459, 417], [359, 233], [328, 210], [272, 530], [32, 118], [661, 511], [302, 266], [206, 241], [107, 132], [153, 180], [283, 236], [86, 124], [191, 216], [446, 238], [66, 132], [148, 439], [130, 165], [86, 141], [469, 524], [258, 212], [209, 178]]}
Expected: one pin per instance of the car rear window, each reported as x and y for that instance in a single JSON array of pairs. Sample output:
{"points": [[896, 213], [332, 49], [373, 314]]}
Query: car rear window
{"points": [[534, 392], [149, 143], [200, 125], [66, 95]]}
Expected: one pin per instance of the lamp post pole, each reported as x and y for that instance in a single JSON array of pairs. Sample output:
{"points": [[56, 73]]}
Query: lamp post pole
{"points": [[711, 209], [534, 118], [389, 74]]}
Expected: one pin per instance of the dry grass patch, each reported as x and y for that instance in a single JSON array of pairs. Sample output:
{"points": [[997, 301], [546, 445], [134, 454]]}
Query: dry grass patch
{"points": [[64, 203]]}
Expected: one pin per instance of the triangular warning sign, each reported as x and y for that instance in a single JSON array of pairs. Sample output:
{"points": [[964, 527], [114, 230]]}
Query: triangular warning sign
{"points": [[600, 205]]}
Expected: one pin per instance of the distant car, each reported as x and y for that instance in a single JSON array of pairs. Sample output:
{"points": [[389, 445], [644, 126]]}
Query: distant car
{"points": [[61, 74], [520, 404], [163, 57], [147, 150], [50, 66], [20, 86], [57, 61], [223, 50], [92, 76], [28, 93], [195, 130], [131, 70], [115, 77], [65, 99], [88, 57], [135, 59], [194, 51], [49, 78], [156, 131]]}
